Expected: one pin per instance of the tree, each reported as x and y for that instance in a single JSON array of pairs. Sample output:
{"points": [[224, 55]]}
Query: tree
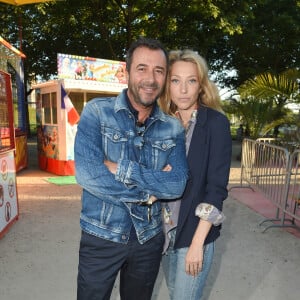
{"points": [[105, 28], [254, 114], [247, 36], [282, 88], [270, 41], [263, 99]]}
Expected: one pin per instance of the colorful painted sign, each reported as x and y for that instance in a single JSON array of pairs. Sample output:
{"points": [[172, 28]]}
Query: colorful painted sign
{"points": [[89, 68]]}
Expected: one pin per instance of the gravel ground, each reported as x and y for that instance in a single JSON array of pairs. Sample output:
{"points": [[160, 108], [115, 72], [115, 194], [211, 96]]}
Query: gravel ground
{"points": [[39, 254]]}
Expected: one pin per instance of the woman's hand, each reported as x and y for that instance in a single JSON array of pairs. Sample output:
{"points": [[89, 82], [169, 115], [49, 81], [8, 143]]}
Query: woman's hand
{"points": [[194, 260], [194, 257]]}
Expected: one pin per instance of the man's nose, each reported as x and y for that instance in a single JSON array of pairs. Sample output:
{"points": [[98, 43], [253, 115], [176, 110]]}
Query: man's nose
{"points": [[151, 76]]}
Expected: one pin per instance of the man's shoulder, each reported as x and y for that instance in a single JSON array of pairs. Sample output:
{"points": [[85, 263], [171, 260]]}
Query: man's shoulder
{"points": [[110, 101], [169, 118], [171, 122], [101, 100], [100, 104]]}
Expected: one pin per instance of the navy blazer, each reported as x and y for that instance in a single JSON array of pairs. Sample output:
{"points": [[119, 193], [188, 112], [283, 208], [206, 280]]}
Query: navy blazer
{"points": [[209, 160]]}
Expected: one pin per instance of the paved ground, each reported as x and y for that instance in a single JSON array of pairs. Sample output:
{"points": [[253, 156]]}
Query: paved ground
{"points": [[39, 254]]}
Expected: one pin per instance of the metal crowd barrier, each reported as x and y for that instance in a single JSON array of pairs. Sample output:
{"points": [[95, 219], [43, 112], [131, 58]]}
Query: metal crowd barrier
{"points": [[271, 170], [292, 205]]}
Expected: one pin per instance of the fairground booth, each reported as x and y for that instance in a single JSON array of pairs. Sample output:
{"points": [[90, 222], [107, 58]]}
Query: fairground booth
{"points": [[60, 102], [13, 134], [11, 62], [8, 192]]}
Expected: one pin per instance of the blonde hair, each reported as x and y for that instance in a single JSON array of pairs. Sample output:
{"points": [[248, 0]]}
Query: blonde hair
{"points": [[209, 95]]}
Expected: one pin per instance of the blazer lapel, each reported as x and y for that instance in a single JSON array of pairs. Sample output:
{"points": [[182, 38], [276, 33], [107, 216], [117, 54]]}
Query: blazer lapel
{"points": [[195, 159]]}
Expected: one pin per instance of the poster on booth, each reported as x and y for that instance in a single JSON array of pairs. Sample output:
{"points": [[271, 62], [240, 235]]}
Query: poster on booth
{"points": [[90, 68], [9, 210]]}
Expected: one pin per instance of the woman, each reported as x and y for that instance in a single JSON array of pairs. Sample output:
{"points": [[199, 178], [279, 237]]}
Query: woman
{"points": [[193, 223]]}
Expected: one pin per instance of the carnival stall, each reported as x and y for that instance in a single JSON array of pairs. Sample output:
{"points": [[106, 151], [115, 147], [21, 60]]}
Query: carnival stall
{"points": [[9, 210], [11, 63], [60, 102]]}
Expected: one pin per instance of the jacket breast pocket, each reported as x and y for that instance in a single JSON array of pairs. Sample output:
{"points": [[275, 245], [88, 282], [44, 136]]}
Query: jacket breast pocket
{"points": [[114, 143], [161, 150]]}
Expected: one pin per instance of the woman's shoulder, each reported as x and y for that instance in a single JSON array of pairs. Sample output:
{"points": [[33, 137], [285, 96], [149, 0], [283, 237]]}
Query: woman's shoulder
{"points": [[212, 115]]}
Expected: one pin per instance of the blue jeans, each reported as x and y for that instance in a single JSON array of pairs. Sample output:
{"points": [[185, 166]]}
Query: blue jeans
{"points": [[180, 285], [101, 260]]}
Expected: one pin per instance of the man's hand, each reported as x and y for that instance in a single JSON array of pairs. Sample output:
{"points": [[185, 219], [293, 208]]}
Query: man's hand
{"points": [[111, 166], [167, 168]]}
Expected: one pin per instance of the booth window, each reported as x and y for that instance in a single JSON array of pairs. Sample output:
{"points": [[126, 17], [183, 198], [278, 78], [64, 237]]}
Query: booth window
{"points": [[49, 108], [6, 114], [5, 130]]}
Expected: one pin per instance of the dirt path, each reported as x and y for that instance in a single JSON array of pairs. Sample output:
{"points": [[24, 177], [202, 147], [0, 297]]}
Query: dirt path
{"points": [[39, 254]]}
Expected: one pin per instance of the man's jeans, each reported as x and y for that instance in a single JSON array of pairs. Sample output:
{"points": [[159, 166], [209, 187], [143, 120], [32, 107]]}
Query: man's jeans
{"points": [[181, 285], [101, 260]]}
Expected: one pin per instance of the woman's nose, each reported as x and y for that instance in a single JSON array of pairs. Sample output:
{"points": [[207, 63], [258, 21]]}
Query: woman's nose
{"points": [[183, 87]]}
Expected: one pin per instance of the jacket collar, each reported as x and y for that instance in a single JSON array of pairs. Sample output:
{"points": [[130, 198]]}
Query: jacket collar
{"points": [[202, 115]]}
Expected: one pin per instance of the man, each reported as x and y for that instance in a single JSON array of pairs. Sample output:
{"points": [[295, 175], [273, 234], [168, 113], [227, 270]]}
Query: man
{"points": [[127, 154]]}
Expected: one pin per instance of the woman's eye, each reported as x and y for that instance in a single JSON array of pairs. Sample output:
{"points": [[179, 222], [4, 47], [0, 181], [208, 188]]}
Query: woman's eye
{"points": [[175, 81], [192, 81]]}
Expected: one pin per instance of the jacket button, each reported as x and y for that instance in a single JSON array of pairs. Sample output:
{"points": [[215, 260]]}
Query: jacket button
{"points": [[116, 136], [123, 237]]}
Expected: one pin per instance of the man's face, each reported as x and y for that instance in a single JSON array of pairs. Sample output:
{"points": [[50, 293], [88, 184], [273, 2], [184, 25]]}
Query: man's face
{"points": [[146, 77]]}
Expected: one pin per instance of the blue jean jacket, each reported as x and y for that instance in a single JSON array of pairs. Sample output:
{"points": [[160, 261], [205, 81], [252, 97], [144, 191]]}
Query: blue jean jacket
{"points": [[111, 204]]}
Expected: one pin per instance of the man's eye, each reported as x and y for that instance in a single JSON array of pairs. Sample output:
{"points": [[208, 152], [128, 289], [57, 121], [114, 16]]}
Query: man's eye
{"points": [[158, 71]]}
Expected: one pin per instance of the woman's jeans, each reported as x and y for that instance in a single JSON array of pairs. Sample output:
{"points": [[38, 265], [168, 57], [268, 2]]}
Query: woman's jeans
{"points": [[181, 285]]}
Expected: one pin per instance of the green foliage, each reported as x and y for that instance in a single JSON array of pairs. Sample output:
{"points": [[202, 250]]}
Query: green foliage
{"points": [[105, 28], [262, 101], [283, 87], [248, 36], [270, 41], [255, 114]]}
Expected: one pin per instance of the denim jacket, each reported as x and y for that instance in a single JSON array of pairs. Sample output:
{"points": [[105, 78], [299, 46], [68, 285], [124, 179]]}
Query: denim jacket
{"points": [[112, 204]]}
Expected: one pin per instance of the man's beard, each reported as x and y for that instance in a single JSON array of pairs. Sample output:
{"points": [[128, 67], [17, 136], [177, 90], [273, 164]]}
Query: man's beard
{"points": [[137, 96]]}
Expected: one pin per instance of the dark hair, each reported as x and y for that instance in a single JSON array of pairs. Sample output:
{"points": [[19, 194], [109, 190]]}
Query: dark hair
{"points": [[148, 43]]}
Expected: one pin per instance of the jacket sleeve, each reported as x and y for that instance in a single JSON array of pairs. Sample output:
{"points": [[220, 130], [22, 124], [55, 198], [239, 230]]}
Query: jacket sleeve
{"points": [[219, 160], [132, 181], [163, 185], [91, 173]]}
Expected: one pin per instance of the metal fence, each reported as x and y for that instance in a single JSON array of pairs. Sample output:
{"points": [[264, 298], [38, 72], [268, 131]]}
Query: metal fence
{"points": [[274, 172], [292, 204]]}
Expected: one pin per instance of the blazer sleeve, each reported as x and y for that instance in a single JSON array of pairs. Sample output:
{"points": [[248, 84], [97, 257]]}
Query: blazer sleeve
{"points": [[219, 144]]}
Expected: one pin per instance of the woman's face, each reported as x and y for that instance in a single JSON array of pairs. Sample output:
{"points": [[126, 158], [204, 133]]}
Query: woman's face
{"points": [[184, 85]]}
